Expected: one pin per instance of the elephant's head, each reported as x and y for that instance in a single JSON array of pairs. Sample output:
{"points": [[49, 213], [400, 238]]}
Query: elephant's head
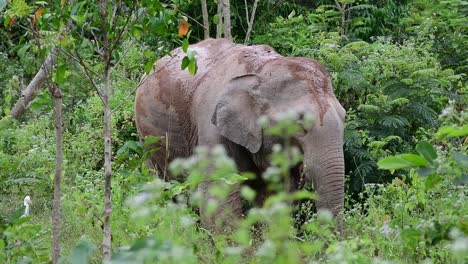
{"points": [[290, 84]]}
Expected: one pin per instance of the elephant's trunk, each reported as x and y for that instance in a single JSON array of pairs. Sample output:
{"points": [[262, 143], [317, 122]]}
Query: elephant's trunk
{"points": [[328, 180], [324, 165]]}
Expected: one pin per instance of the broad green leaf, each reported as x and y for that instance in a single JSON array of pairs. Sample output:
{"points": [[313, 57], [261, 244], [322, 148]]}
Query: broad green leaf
{"points": [[402, 161], [185, 45], [192, 67], [185, 63], [151, 140], [448, 131], [215, 19], [427, 151], [135, 146]]}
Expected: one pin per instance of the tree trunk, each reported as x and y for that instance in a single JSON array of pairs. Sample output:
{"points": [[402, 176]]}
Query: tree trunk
{"points": [[107, 243], [250, 21], [219, 26], [28, 94], [227, 19], [57, 95], [206, 22], [106, 56]]}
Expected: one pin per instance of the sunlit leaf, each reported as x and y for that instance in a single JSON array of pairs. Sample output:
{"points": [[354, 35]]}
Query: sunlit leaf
{"points": [[402, 161], [448, 131]]}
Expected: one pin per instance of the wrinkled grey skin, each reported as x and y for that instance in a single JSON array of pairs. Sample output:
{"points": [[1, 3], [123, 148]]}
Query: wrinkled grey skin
{"points": [[233, 87]]}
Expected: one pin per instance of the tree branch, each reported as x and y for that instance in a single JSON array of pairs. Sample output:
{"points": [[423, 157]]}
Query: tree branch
{"points": [[30, 92]]}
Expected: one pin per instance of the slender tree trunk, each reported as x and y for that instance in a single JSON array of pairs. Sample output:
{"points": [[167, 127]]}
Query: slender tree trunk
{"points": [[57, 95], [250, 21], [107, 236], [206, 22], [227, 19], [342, 9], [107, 243], [219, 26], [28, 94]]}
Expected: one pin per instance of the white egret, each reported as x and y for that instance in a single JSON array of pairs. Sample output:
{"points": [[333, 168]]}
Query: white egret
{"points": [[27, 202]]}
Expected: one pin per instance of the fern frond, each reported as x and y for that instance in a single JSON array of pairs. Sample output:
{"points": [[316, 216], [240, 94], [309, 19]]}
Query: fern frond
{"points": [[394, 121]]}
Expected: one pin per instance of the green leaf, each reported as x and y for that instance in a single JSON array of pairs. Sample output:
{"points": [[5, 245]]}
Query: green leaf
{"points": [[193, 67], [433, 180], [6, 21], [82, 252], [149, 140], [427, 151], [234, 178], [448, 131], [149, 65], [300, 195], [60, 74], [402, 161], [23, 50], [215, 19], [135, 146], [247, 193], [185, 45], [185, 63]]}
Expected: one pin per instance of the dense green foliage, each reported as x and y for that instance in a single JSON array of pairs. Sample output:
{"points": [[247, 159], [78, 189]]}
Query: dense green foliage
{"points": [[398, 68]]}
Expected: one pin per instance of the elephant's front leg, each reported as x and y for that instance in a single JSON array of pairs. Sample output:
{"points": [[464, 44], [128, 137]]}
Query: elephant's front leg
{"points": [[220, 214]]}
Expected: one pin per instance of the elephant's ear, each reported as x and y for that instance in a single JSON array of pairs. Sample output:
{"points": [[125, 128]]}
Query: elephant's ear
{"points": [[237, 112]]}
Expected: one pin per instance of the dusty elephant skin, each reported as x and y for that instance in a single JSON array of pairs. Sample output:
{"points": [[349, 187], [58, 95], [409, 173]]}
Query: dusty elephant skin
{"points": [[234, 86]]}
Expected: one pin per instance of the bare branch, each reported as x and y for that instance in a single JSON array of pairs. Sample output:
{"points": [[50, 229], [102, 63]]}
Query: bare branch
{"points": [[88, 75]]}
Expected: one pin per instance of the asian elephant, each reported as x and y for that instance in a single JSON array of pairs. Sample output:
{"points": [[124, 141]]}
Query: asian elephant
{"points": [[221, 103]]}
